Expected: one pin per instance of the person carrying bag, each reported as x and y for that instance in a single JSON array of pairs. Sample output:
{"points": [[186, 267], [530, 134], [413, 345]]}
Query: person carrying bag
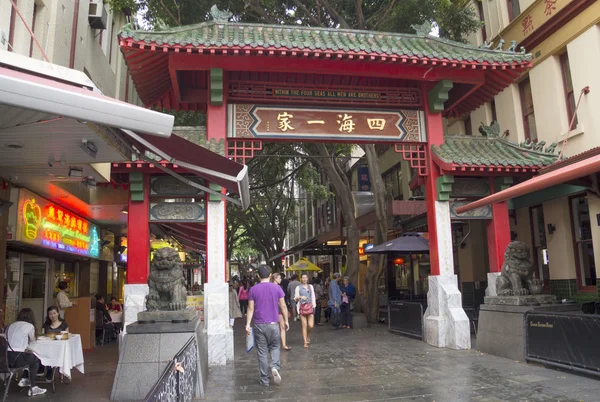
{"points": [[306, 301]]}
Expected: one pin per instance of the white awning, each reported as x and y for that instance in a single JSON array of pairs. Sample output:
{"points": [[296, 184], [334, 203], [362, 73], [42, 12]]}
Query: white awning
{"points": [[32, 92]]}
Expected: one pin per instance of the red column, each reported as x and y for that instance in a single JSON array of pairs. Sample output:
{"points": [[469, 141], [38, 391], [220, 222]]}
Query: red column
{"points": [[138, 238], [498, 233], [435, 136], [216, 127]]}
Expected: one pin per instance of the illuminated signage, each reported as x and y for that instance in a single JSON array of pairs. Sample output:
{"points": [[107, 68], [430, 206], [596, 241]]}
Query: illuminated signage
{"points": [[45, 224]]}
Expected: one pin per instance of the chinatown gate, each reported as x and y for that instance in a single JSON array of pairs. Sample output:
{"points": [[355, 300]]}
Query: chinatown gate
{"points": [[290, 83]]}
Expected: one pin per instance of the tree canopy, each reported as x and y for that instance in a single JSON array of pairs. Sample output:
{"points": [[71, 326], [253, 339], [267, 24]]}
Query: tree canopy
{"points": [[455, 18]]}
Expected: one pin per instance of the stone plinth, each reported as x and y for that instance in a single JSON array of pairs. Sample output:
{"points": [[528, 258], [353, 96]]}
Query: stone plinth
{"points": [[145, 352], [446, 323], [167, 316], [529, 300], [501, 329], [216, 317]]}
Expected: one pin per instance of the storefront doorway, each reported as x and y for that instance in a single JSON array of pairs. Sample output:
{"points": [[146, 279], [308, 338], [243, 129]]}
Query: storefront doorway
{"points": [[35, 287], [584, 248]]}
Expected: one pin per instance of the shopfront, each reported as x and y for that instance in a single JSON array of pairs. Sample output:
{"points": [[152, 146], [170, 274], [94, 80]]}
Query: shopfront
{"points": [[47, 244]]}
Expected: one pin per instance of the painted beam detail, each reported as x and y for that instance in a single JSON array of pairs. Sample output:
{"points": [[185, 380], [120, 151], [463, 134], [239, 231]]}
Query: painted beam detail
{"points": [[212, 197], [502, 183], [443, 185], [136, 186], [439, 95], [216, 86]]}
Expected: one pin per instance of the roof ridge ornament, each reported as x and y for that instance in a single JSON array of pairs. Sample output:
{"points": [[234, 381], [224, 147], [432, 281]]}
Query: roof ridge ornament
{"points": [[220, 15], [491, 131], [424, 29]]}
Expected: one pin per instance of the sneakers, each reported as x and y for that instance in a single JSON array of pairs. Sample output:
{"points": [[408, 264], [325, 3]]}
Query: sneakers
{"points": [[24, 382], [276, 376], [33, 391]]}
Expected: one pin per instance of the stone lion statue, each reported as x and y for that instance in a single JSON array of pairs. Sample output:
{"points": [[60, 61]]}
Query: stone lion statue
{"points": [[166, 281], [516, 272]]}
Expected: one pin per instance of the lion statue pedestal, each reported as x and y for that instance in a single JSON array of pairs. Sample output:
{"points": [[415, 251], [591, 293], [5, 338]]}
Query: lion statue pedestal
{"points": [[160, 333], [501, 329]]}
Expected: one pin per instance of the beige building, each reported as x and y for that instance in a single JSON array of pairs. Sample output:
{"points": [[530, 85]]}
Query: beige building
{"points": [[78, 34], [561, 224]]}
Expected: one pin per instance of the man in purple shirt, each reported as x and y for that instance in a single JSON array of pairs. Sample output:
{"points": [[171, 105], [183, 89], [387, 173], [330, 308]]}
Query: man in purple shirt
{"points": [[265, 301]]}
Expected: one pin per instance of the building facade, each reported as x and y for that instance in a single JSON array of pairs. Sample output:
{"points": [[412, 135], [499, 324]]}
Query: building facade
{"points": [[549, 104]]}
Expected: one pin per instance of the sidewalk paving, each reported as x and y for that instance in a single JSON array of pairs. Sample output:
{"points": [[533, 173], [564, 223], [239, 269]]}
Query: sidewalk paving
{"points": [[353, 365], [375, 365]]}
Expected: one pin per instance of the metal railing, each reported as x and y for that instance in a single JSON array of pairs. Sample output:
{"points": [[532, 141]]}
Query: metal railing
{"points": [[179, 380]]}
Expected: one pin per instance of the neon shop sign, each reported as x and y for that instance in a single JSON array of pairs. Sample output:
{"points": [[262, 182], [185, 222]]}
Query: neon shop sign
{"points": [[53, 227]]}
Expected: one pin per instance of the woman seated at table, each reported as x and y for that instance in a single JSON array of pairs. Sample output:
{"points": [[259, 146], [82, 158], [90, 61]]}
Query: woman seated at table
{"points": [[18, 335], [114, 305], [54, 324]]}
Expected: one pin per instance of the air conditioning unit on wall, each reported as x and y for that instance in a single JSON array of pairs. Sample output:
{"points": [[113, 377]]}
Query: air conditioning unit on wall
{"points": [[97, 15]]}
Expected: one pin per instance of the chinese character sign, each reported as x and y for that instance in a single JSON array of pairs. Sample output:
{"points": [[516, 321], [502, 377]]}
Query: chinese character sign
{"points": [[364, 180], [281, 122], [527, 25], [48, 225], [550, 7]]}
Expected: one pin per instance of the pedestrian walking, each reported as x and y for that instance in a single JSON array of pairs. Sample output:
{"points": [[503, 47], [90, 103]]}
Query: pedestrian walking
{"points": [[265, 300], [243, 297], [276, 279], [292, 291], [335, 300], [348, 294], [306, 301], [319, 296]]}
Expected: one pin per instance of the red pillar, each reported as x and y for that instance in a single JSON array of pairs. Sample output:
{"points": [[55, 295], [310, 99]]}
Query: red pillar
{"points": [[216, 128], [138, 238], [498, 233], [435, 136]]}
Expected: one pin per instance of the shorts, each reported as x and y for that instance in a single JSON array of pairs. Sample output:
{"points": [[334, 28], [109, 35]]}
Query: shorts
{"points": [[293, 303]]}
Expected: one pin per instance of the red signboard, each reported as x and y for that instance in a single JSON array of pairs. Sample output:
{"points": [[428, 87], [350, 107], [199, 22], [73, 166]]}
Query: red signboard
{"points": [[299, 123]]}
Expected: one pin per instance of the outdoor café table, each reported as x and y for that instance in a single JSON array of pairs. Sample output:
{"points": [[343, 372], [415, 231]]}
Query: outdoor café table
{"points": [[62, 354], [116, 316]]}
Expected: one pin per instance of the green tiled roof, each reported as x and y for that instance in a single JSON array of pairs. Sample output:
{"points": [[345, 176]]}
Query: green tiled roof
{"points": [[286, 37], [485, 151]]}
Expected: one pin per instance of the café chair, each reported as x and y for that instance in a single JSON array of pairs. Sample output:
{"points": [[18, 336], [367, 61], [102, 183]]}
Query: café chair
{"points": [[5, 367], [43, 380]]}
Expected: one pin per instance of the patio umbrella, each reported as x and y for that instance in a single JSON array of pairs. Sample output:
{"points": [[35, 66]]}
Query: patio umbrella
{"points": [[407, 243], [304, 265]]}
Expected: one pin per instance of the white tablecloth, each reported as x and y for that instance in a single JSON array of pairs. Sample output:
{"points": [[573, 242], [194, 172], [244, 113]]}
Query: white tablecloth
{"points": [[116, 316], [62, 354]]}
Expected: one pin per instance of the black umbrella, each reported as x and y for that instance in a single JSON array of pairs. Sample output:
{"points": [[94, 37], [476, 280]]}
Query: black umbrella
{"points": [[407, 243]]}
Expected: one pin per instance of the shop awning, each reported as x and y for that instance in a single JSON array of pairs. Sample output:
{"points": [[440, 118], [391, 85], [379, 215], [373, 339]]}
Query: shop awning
{"points": [[564, 174], [407, 243], [55, 98], [304, 264], [203, 162], [297, 248]]}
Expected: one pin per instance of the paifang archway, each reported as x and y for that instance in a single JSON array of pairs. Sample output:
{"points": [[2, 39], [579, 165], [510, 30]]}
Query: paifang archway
{"points": [[290, 83]]}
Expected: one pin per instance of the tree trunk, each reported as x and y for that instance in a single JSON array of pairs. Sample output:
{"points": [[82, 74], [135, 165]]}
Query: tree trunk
{"points": [[343, 191], [378, 261]]}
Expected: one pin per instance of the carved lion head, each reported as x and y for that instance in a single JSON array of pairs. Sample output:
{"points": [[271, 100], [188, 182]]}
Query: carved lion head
{"points": [[517, 250], [166, 258]]}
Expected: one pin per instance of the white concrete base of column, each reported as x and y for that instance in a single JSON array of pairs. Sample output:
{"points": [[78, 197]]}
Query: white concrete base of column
{"points": [[216, 324], [135, 301], [446, 324], [492, 277]]}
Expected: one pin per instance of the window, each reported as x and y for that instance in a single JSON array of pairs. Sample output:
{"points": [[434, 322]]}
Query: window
{"points": [[528, 112], [468, 126], [482, 19], [392, 179], [568, 85], [494, 114], [513, 9], [584, 246]]}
